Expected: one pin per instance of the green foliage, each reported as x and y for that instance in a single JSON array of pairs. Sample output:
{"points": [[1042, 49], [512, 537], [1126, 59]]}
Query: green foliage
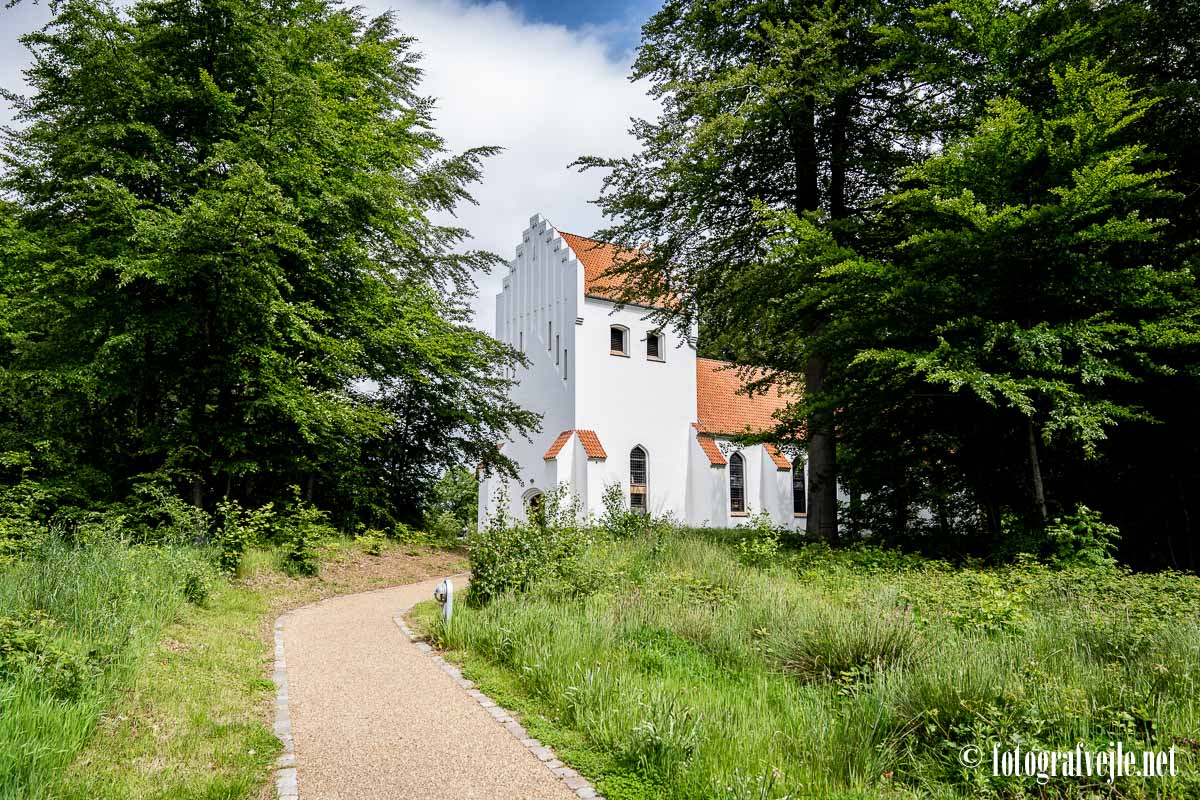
{"points": [[77, 618], [372, 542], [987, 285], [303, 529], [405, 534], [257, 247], [28, 648], [855, 672], [1082, 540], [509, 556], [759, 543], [455, 496], [240, 529]]}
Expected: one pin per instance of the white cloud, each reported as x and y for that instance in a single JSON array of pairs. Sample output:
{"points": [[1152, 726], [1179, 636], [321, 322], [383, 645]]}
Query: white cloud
{"points": [[545, 93]]}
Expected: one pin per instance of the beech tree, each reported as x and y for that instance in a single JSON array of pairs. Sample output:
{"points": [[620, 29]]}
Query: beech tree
{"points": [[219, 263]]}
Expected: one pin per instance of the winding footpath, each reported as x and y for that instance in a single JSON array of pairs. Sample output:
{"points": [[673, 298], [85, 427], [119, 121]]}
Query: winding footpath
{"points": [[366, 713]]}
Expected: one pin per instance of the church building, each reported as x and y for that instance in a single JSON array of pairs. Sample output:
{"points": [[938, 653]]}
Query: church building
{"points": [[623, 402]]}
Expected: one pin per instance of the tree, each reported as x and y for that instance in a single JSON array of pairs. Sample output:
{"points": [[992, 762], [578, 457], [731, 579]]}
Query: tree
{"points": [[767, 107], [219, 242]]}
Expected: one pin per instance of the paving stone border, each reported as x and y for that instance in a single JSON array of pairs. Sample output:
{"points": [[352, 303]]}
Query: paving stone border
{"points": [[575, 782], [285, 773]]}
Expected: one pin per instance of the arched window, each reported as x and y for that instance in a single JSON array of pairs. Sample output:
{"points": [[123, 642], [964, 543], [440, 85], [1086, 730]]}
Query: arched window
{"points": [[737, 483], [533, 505], [637, 479], [799, 488], [618, 340], [654, 346]]}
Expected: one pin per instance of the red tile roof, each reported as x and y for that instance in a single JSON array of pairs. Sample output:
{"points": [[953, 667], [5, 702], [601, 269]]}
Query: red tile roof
{"points": [[597, 258], [779, 458], [557, 445], [721, 407], [591, 444], [589, 440], [709, 446]]}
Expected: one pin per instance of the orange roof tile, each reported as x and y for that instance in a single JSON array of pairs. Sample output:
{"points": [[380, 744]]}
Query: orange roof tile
{"points": [[709, 446], [591, 444], [597, 258], [557, 445], [779, 458], [589, 440], [721, 406]]}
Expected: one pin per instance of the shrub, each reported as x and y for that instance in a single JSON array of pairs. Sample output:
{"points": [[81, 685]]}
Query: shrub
{"points": [[1081, 540], [443, 527], [760, 541], [303, 529], [197, 583], [372, 542], [405, 534], [27, 645], [511, 556], [240, 529]]}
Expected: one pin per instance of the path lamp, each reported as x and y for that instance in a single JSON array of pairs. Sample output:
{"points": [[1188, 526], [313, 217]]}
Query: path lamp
{"points": [[444, 594]]}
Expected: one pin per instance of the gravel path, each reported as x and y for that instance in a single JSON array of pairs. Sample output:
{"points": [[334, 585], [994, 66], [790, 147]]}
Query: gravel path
{"points": [[373, 717]]}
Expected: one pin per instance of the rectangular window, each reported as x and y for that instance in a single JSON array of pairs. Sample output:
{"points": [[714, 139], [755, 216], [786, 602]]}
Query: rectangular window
{"points": [[549, 334], [557, 351], [637, 500], [521, 346], [565, 376]]}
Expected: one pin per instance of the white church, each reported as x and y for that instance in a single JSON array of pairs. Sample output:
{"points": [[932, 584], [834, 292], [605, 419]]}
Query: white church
{"points": [[626, 403]]}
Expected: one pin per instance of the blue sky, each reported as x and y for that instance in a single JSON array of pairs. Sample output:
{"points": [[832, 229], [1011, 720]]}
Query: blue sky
{"points": [[618, 23]]}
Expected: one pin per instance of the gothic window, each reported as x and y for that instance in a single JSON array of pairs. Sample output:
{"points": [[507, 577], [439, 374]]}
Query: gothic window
{"points": [[637, 479], [799, 488], [737, 484]]}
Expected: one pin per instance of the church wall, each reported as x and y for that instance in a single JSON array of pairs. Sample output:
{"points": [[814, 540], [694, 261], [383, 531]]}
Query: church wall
{"points": [[631, 400], [535, 312]]}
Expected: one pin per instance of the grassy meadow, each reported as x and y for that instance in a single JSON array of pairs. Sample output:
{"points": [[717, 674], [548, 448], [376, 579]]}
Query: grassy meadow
{"points": [[669, 665]]}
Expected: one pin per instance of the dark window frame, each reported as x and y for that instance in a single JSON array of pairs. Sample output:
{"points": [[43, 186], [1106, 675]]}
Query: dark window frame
{"points": [[737, 484]]}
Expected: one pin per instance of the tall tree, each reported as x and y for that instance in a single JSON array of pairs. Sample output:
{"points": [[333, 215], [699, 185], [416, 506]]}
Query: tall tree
{"points": [[766, 106], [219, 235]]}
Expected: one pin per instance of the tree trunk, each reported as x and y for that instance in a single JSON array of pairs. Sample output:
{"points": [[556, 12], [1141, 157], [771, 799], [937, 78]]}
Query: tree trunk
{"points": [[822, 451], [822, 458], [1035, 473]]}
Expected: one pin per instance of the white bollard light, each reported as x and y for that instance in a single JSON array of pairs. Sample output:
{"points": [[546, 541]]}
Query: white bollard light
{"points": [[444, 594]]}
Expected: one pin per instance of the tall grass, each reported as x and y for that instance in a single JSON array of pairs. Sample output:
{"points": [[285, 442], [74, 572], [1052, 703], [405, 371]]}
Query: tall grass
{"points": [[74, 620], [692, 675]]}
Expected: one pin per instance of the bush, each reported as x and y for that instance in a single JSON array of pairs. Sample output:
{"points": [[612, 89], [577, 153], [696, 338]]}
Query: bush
{"points": [[303, 530], [1081, 540], [372, 542], [760, 541], [239, 530], [27, 644], [510, 556], [406, 534]]}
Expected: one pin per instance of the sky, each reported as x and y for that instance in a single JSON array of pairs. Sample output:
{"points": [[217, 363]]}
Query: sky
{"points": [[547, 81]]}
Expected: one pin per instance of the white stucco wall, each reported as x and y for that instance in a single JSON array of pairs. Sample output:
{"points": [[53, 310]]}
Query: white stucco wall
{"points": [[575, 383]]}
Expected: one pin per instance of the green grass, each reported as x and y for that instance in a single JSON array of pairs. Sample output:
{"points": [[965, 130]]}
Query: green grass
{"points": [[667, 668], [173, 700], [78, 622]]}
